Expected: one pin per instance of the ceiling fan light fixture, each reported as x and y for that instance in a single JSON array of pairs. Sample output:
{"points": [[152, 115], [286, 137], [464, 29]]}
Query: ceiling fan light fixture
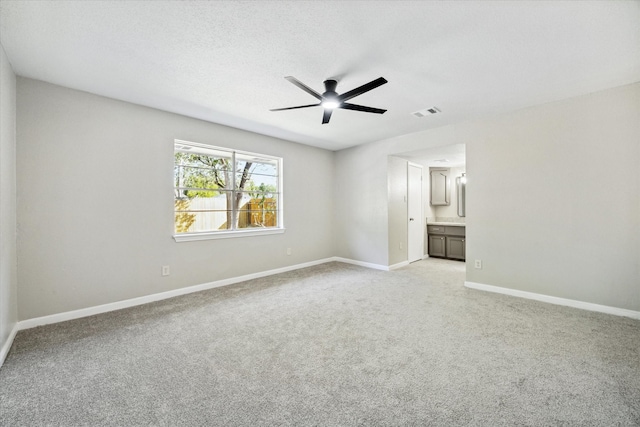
{"points": [[330, 103]]}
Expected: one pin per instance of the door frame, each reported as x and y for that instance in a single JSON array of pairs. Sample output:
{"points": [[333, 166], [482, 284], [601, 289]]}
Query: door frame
{"points": [[418, 238]]}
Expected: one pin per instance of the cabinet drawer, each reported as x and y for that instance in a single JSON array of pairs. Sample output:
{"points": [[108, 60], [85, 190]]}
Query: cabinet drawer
{"points": [[435, 229], [454, 231], [449, 230]]}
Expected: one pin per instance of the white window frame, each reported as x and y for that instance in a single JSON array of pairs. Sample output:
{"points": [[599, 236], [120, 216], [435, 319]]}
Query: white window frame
{"points": [[245, 232]]}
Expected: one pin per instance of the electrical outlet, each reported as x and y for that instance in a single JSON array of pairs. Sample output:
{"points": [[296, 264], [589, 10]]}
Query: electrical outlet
{"points": [[478, 264], [165, 270], [288, 251]]}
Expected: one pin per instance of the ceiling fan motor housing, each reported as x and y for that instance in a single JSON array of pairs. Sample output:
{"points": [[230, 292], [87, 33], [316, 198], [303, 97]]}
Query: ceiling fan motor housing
{"points": [[330, 89]]}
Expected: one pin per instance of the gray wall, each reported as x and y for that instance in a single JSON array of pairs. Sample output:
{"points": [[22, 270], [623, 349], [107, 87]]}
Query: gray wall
{"points": [[95, 212], [565, 178], [546, 210], [8, 277], [361, 204]]}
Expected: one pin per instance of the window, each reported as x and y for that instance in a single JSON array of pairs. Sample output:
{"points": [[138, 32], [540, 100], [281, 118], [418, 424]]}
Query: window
{"points": [[219, 192]]}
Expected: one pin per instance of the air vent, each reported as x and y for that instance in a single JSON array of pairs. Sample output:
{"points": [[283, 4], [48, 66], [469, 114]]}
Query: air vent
{"points": [[426, 112]]}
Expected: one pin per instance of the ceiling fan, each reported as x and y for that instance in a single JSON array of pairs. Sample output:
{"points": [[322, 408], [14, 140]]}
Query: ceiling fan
{"points": [[330, 100]]}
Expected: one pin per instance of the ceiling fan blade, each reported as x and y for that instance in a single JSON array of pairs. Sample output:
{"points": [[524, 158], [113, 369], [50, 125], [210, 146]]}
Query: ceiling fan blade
{"points": [[355, 107], [304, 87], [327, 115], [362, 89], [294, 108]]}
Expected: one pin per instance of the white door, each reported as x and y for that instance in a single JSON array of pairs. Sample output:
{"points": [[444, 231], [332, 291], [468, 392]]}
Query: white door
{"points": [[415, 229]]}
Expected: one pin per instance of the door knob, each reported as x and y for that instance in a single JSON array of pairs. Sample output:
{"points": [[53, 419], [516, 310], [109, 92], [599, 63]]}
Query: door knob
{"points": [[410, 219]]}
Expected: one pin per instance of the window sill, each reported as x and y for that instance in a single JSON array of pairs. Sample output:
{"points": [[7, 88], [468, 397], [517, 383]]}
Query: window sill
{"points": [[190, 237]]}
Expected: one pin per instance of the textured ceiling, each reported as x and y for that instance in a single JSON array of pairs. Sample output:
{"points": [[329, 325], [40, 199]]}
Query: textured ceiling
{"points": [[225, 61]]}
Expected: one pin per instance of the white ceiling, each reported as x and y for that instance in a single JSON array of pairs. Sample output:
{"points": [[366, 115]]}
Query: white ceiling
{"points": [[225, 61]]}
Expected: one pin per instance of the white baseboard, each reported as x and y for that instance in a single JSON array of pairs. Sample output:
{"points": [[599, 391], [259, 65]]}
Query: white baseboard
{"points": [[398, 265], [361, 263], [104, 308], [7, 345], [555, 300]]}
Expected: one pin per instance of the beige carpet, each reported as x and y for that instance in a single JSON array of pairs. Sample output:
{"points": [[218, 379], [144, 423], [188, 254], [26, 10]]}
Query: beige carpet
{"points": [[330, 345]]}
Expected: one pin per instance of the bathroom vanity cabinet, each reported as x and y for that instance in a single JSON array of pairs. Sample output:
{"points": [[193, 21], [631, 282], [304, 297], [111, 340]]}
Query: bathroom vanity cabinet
{"points": [[447, 241]]}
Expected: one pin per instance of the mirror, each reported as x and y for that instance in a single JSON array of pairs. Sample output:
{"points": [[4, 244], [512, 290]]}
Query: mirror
{"points": [[461, 183]]}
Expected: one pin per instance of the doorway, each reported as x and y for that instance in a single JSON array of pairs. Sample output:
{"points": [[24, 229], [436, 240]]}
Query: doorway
{"points": [[451, 157]]}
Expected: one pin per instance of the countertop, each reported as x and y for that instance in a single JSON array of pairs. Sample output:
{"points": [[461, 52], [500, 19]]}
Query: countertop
{"points": [[449, 224]]}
